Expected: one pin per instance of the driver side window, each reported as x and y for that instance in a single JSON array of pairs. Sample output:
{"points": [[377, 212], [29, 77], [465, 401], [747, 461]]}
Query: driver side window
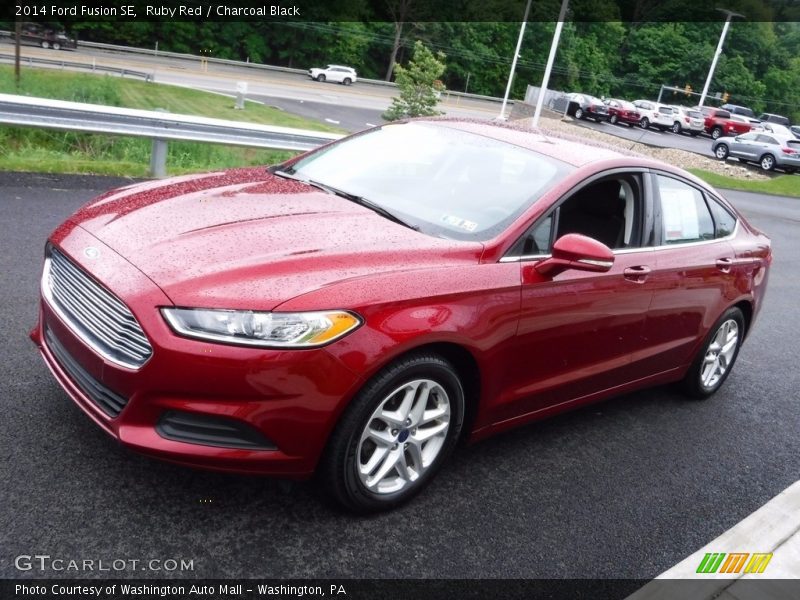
{"points": [[609, 210]]}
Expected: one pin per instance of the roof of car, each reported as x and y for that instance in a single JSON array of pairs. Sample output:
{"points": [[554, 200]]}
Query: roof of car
{"points": [[565, 148]]}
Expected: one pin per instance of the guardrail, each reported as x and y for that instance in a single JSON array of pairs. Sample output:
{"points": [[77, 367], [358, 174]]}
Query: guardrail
{"points": [[159, 126], [93, 67]]}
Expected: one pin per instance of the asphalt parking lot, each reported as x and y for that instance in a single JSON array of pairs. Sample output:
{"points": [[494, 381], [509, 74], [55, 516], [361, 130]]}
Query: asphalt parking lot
{"points": [[622, 489]]}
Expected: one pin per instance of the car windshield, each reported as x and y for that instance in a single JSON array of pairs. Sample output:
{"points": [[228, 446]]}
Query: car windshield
{"points": [[442, 180]]}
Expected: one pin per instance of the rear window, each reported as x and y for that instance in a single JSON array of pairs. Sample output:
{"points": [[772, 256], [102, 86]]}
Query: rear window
{"points": [[695, 114], [794, 144]]}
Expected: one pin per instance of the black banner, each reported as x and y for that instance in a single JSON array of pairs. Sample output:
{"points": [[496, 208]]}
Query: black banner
{"points": [[393, 589]]}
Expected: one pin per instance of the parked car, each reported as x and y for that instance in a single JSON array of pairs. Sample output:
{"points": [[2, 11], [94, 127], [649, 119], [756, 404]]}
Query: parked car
{"points": [[768, 150], [718, 123], [795, 129], [773, 118], [358, 309], [776, 129], [735, 109], [687, 120], [46, 37], [654, 114], [584, 106], [335, 73], [622, 111]]}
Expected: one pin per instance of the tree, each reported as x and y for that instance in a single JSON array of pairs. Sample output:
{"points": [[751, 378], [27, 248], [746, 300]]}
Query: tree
{"points": [[419, 84]]}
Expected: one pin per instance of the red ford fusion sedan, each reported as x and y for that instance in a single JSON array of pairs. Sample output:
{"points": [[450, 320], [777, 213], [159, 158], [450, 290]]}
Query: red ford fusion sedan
{"points": [[357, 310]]}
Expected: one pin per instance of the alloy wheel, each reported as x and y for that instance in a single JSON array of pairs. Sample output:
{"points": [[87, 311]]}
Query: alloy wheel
{"points": [[720, 354], [403, 436]]}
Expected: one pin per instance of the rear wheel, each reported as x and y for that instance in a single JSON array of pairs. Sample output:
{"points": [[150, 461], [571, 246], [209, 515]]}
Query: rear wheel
{"points": [[716, 133], [767, 162], [395, 434], [721, 152], [56, 46], [321, 77], [347, 81], [715, 360], [45, 44], [613, 119], [578, 113], [676, 127]]}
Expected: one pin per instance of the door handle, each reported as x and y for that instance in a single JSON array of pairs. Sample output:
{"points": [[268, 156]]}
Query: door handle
{"points": [[724, 264], [637, 274]]}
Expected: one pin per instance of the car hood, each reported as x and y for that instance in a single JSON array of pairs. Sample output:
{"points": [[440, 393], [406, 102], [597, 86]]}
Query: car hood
{"points": [[250, 240]]}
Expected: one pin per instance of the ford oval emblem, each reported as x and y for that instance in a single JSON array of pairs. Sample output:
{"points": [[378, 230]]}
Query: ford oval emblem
{"points": [[91, 252]]}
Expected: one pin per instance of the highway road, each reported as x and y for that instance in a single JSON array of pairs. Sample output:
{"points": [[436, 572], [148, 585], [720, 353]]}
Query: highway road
{"points": [[621, 489]]}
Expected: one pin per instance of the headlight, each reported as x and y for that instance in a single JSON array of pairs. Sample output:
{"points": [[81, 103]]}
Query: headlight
{"points": [[264, 329]]}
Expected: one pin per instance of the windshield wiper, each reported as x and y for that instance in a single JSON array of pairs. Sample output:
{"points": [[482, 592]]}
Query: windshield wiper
{"points": [[360, 200]]}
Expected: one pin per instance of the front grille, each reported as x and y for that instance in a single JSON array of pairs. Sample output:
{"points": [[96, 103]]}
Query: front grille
{"points": [[106, 400], [98, 317]]}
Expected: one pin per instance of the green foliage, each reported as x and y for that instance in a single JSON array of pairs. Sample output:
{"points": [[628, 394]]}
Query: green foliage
{"points": [[419, 85]]}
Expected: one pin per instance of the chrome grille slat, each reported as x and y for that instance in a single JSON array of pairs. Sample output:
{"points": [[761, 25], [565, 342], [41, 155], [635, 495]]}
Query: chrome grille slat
{"points": [[65, 292], [108, 311], [98, 317]]}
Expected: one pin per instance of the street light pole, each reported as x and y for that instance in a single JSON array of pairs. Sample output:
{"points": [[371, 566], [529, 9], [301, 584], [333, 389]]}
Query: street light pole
{"points": [[718, 52], [514, 62], [550, 60]]}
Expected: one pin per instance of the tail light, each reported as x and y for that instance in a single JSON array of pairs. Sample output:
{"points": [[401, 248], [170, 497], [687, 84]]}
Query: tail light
{"points": [[686, 119], [790, 151]]}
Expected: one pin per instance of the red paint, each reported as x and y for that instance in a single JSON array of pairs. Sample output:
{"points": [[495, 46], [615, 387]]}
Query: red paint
{"points": [[245, 239]]}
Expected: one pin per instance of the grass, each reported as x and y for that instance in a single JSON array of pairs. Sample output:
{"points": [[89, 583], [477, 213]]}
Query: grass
{"points": [[50, 151], [779, 185]]}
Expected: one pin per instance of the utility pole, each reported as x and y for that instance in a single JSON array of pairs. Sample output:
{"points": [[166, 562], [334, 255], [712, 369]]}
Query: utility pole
{"points": [[17, 35], [550, 60], [514, 61], [730, 15]]}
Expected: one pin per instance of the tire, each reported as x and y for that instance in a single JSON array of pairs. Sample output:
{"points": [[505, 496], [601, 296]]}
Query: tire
{"points": [[721, 151], [644, 123], [716, 133], [45, 44], [578, 113], [613, 119], [321, 78], [56, 46], [716, 358], [767, 162], [676, 128], [374, 460], [347, 81]]}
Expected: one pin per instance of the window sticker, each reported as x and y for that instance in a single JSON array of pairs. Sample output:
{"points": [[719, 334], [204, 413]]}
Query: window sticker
{"points": [[458, 222], [681, 221]]}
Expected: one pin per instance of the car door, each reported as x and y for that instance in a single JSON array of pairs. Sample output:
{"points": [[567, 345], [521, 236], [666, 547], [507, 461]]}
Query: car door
{"points": [[744, 146], [578, 330], [694, 272]]}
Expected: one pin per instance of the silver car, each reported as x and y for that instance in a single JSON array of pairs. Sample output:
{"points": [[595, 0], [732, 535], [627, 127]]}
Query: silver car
{"points": [[687, 120], [767, 149]]}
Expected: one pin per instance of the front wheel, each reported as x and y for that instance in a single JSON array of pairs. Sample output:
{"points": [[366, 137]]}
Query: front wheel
{"points": [[321, 78], [56, 46], [347, 81], [45, 44], [613, 119], [395, 435], [768, 162], [715, 360], [578, 113], [676, 127], [721, 151], [644, 123]]}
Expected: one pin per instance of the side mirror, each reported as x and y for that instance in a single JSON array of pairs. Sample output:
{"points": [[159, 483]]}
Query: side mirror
{"points": [[576, 251]]}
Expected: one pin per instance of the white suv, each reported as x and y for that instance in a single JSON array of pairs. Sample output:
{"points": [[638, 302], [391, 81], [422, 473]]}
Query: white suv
{"points": [[337, 73], [655, 115], [688, 120]]}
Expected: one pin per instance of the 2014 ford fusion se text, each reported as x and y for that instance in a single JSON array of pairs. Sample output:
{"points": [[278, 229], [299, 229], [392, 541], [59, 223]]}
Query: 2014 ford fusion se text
{"points": [[356, 311]]}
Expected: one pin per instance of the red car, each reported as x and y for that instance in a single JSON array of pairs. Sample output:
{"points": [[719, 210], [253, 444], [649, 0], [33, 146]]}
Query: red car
{"points": [[357, 310], [718, 123], [622, 111]]}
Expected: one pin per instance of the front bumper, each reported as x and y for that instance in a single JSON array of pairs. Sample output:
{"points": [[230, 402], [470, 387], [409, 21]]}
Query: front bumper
{"points": [[289, 400]]}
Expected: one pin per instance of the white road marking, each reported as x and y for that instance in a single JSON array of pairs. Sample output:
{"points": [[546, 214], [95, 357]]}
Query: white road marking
{"points": [[370, 124], [332, 121]]}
